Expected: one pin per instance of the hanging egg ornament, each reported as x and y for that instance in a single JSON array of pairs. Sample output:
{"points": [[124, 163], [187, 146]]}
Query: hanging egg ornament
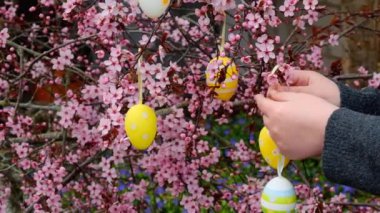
{"points": [[278, 196], [141, 126], [154, 8], [226, 89], [269, 149]]}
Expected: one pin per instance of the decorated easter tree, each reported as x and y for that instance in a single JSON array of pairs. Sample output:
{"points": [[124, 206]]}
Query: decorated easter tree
{"points": [[132, 106]]}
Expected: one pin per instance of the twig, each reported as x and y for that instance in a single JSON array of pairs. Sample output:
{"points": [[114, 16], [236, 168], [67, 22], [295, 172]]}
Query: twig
{"points": [[57, 48], [69, 177], [5, 103], [352, 77], [290, 36], [168, 110], [73, 173], [20, 89], [52, 50], [50, 135], [345, 32], [302, 176], [73, 69], [188, 39], [374, 206], [30, 154]]}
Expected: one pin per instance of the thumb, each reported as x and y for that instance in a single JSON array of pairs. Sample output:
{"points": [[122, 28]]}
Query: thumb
{"points": [[264, 104], [282, 96]]}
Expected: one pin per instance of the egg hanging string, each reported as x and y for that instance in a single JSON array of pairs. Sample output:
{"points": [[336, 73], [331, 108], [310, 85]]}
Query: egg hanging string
{"points": [[281, 163], [139, 77], [280, 166], [223, 35]]}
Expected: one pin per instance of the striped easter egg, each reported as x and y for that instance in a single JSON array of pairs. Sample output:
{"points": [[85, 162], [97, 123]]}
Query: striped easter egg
{"points": [[278, 196], [215, 69], [154, 8]]}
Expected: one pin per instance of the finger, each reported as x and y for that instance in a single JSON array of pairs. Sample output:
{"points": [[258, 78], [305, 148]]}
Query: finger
{"points": [[265, 105], [296, 89], [282, 96], [300, 78], [266, 121]]}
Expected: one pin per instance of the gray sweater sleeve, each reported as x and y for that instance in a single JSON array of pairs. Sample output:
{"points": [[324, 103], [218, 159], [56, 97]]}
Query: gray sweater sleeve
{"points": [[366, 101], [351, 154]]}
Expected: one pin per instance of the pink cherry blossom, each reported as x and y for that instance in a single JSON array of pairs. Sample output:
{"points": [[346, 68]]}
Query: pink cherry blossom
{"points": [[362, 70], [3, 37], [72, 152], [288, 8], [334, 40], [310, 4]]}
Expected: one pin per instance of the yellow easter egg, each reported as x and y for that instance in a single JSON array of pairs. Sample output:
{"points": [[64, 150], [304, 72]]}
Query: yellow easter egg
{"points": [[141, 126], [269, 149], [225, 90]]}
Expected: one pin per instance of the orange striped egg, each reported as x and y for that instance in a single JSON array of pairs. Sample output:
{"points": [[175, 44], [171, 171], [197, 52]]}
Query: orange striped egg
{"points": [[216, 68], [154, 8]]}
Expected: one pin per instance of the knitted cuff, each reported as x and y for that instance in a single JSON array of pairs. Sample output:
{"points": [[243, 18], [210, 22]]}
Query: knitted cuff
{"points": [[335, 146], [349, 98], [350, 153]]}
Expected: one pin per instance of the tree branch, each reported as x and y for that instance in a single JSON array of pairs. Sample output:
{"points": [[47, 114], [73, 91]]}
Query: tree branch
{"points": [[72, 69], [374, 206], [353, 77], [50, 135]]}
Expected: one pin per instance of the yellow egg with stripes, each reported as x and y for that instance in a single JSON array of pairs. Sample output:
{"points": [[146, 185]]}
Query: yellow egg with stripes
{"points": [[222, 68], [269, 149], [278, 196], [141, 126], [154, 8]]}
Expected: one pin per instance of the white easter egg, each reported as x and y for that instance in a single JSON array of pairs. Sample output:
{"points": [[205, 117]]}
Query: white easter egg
{"points": [[278, 196], [154, 8]]}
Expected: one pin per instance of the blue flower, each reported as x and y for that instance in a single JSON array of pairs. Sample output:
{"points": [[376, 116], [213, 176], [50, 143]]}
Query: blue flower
{"points": [[241, 121], [349, 190], [227, 132], [147, 199], [160, 204], [159, 191], [124, 173], [251, 136], [175, 201], [122, 186], [233, 141]]}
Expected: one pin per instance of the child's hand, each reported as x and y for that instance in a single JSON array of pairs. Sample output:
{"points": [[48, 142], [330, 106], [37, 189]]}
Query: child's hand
{"points": [[315, 84], [296, 121]]}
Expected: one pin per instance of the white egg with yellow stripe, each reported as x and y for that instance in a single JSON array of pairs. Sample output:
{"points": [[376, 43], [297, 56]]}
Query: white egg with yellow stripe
{"points": [[154, 8], [141, 126], [278, 196], [226, 89]]}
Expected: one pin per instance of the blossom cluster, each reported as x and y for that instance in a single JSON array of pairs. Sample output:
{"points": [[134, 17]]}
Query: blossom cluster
{"points": [[69, 74]]}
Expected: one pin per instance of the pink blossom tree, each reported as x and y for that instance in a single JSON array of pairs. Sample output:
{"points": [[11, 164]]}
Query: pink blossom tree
{"points": [[68, 76]]}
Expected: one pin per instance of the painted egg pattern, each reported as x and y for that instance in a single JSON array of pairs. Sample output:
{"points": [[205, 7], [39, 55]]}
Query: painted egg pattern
{"points": [[154, 8], [269, 149], [141, 126], [278, 196], [226, 89]]}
